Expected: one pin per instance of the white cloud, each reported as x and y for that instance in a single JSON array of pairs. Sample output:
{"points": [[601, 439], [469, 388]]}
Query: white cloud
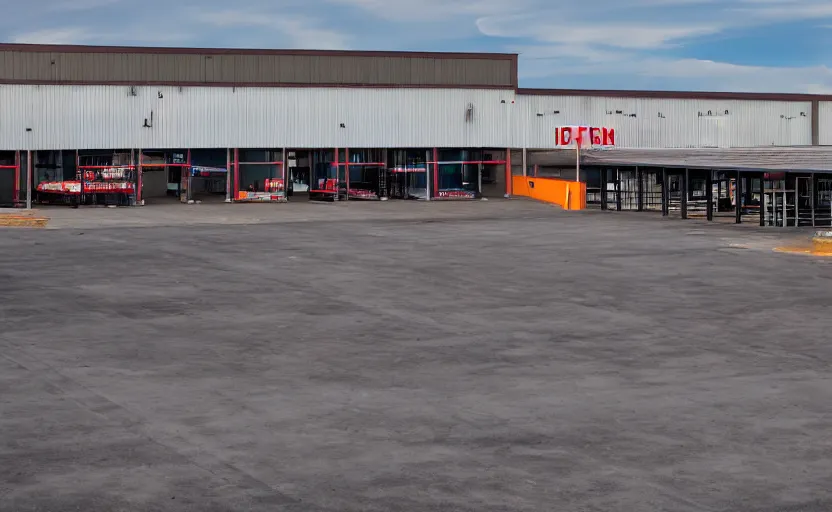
{"points": [[435, 10], [80, 5], [234, 18], [623, 35], [819, 89], [303, 34], [696, 74], [71, 35], [784, 10], [93, 35], [569, 51], [297, 31]]}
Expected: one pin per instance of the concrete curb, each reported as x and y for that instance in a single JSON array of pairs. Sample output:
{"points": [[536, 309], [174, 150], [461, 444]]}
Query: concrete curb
{"points": [[22, 221]]}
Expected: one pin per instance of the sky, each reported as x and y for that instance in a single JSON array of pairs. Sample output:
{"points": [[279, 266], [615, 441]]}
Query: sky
{"points": [[704, 45]]}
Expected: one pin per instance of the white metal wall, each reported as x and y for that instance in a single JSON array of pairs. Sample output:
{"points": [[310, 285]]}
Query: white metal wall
{"points": [[669, 123], [109, 117], [825, 123], [103, 117]]}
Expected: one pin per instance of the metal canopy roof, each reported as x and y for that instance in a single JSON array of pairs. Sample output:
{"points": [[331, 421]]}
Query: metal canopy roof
{"points": [[807, 159]]}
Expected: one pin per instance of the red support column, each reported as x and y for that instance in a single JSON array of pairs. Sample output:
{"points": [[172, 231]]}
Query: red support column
{"points": [[347, 170], [236, 174], [30, 166], [435, 172], [337, 161], [16, 199], [139, 178], [508, 173]]}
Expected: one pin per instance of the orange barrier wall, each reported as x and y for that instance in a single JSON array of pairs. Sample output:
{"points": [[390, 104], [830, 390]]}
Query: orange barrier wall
{"points": [[571, 195]]}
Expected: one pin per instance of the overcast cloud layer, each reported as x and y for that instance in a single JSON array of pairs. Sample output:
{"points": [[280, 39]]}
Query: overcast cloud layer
{"points": [[747, 45]]}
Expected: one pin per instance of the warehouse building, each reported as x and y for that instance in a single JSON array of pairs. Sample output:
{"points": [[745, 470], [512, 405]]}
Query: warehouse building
{"points": [[147, 125]]}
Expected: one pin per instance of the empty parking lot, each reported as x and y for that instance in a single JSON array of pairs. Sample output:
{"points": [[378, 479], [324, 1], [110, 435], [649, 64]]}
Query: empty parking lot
{"points": [[499, 356]]}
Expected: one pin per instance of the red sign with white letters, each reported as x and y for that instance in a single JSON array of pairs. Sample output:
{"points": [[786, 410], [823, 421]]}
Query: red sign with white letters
{"points": [[456, 194], [584, 136]]}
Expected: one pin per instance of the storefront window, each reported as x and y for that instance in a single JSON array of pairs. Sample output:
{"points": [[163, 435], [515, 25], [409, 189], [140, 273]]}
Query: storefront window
{"points": [[408, 170], [459, 171]]}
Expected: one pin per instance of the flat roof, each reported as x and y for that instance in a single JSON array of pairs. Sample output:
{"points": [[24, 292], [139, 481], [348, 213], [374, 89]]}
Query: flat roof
{"points": [[167, 50], [687, 95]]}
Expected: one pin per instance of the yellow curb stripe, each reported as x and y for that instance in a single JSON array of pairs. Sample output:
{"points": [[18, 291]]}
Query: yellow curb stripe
{"points": [[21, 221]]}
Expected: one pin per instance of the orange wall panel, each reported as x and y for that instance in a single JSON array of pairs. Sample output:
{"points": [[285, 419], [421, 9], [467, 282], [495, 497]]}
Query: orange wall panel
{"points": [[570, 195]]}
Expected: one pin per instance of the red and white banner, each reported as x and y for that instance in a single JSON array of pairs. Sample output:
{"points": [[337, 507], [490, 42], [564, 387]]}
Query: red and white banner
{"points": [[245, 195], [107, 173], [360, 193], [584, 136], [90, 187], [455, 194]]}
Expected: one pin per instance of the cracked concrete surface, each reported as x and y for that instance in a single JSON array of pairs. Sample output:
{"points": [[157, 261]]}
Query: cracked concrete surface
{"points": [[500, 356]]}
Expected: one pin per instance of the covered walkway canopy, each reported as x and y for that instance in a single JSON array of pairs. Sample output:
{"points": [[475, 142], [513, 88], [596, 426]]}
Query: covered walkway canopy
{"points": [[798, 159]]}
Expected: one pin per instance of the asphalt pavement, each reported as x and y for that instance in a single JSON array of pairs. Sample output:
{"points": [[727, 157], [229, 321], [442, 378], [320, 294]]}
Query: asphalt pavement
{"points": [[479, 357]]}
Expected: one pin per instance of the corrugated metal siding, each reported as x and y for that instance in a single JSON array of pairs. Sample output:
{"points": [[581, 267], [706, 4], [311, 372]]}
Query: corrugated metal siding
{"points": [[748, 123], [253, 69], [105, 117], [825, 124], [14, 64], [68, 117]]}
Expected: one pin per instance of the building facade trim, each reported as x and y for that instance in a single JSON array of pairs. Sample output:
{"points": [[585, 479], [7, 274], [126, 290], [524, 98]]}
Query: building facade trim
{"points": [[681, 95], [161, 50], [93, 65]]}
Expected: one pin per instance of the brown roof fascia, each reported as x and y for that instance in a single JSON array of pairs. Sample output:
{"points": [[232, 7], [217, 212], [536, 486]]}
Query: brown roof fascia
{"points": [[140, 83], [41, 48], [684, 95]]}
